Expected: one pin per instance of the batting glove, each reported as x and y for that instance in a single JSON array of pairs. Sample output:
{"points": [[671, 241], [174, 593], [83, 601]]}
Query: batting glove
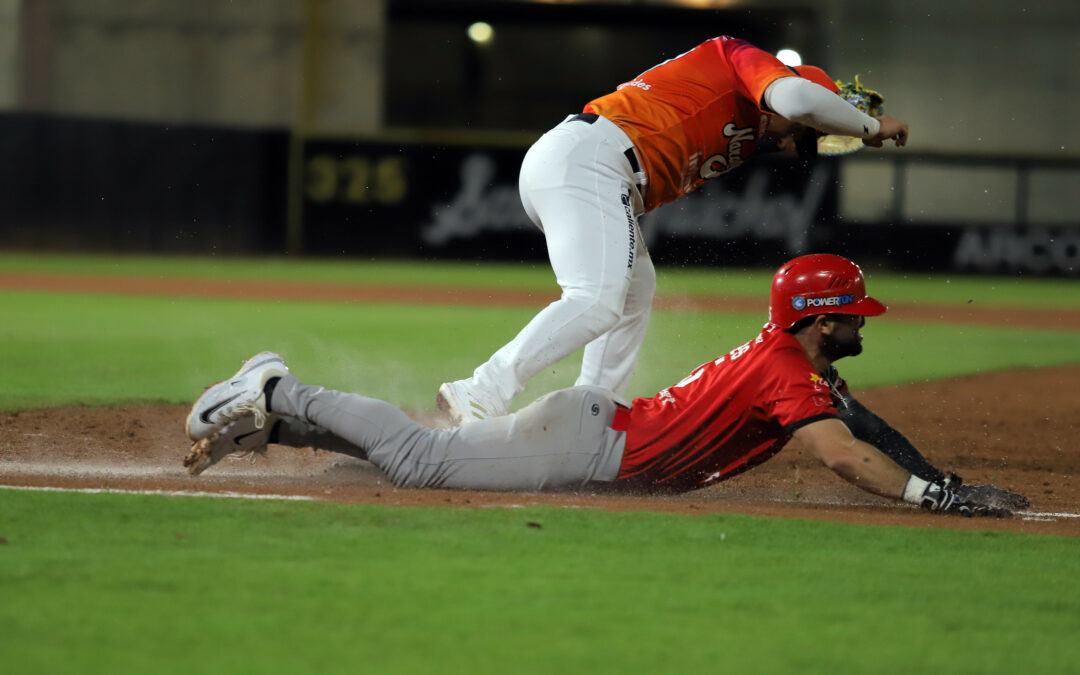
{"points": [[944, 498]]}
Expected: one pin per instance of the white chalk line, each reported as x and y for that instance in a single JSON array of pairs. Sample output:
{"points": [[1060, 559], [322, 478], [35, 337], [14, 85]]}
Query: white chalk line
{"points": [[163, 493], [92, 470], [1028, 515], [82, 470]]}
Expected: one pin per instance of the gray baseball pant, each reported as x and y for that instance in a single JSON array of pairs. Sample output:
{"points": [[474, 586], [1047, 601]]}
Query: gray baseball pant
{"points": [[562, 440]]}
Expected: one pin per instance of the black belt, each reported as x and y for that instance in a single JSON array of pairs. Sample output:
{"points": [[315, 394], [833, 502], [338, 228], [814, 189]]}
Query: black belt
{"points": [[589, 118]]}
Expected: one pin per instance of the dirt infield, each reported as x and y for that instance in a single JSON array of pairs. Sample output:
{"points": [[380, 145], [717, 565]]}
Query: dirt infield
{"points": [[1016, 429]]}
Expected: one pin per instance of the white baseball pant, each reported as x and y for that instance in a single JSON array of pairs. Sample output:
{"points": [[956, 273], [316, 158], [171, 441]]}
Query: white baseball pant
{"points": [[579, 185]]}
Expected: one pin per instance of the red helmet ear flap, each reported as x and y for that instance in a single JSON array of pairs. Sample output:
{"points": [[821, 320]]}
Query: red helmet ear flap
{"points": [[820, 283]]}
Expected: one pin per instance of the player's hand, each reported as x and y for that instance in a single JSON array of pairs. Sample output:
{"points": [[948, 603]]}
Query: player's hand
{"points": [[942, 498], [992, 496], [891, 128]]}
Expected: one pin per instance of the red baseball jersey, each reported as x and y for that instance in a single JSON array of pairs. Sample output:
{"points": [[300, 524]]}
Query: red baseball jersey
{"points": [[727, 416], [695, 116]]}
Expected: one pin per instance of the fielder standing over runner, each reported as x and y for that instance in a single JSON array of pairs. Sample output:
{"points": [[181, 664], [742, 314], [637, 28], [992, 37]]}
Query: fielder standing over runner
{"points": [[655, 139], [726, 417]]}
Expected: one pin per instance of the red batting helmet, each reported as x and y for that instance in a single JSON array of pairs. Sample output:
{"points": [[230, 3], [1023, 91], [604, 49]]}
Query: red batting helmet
{"points": [[819, 284]]}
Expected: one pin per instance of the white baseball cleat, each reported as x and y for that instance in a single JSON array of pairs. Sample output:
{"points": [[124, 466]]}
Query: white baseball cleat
{"points": [[241, 437], [464, 404], [240, 395]]}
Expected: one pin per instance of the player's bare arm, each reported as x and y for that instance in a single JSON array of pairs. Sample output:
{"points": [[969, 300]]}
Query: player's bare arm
{"points": [[867, 467], [853, 460], [868, 427]]}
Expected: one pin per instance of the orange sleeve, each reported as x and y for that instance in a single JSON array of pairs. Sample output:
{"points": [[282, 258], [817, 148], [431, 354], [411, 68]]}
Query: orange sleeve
{"points": [[754, 69], [695, 116]]}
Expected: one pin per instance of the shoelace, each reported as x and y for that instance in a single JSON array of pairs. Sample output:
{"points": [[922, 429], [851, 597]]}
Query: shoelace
{"points": [[247, 409], [200, 457], [252, 455]]}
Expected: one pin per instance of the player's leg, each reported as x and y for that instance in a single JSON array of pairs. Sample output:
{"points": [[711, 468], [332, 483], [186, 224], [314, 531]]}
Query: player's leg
{"points": [[562, 440], [577, 189], [244, 436], [294, 433], [609, 360], [588, 253]]}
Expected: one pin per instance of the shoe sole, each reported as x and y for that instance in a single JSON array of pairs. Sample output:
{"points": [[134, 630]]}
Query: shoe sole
{"points": [[198, 458], [247, 367], [201, 455], [452, 405], [442, 402]]}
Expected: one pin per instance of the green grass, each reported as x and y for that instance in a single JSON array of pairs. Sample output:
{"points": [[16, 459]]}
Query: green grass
{"points": [[982, 291], [888, 286], [84, 349], [141, 583], [279, 269], [100, 350]]}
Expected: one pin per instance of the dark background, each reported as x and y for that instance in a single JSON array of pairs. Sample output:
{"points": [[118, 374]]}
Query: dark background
{"points": [[91, 184], [436, 76]]}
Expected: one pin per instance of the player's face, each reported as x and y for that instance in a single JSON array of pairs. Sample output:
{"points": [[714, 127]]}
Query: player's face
{"points": [[784, 133], [788, 141], [844, 338]]}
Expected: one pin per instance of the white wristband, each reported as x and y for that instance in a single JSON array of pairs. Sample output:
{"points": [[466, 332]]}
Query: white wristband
{"points": [[915, 489]]}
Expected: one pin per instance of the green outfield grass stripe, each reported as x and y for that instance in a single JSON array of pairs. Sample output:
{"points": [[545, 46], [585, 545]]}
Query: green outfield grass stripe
{"points": [[893, 287], [1043, 319], [63, 349], [212, 585], [1023, 515]]}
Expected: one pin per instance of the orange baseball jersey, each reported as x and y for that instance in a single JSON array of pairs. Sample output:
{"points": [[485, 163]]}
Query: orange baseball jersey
{"points": [[695, 116], [727, 416]]}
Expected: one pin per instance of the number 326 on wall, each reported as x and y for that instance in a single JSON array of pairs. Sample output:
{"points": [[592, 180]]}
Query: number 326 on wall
{"points": [[355, 179]]}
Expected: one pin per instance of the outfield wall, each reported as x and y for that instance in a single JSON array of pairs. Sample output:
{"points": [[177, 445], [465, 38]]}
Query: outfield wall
{"points": [[99, 185], [158, 125], [86, 184]]}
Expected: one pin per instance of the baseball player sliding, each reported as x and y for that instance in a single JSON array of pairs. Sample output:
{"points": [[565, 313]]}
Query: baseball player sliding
{"points": [[655, 139], [726, 417]]}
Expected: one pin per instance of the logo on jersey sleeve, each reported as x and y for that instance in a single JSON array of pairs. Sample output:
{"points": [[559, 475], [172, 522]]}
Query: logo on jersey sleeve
{"points": [[818, 381], [821, 397]]}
